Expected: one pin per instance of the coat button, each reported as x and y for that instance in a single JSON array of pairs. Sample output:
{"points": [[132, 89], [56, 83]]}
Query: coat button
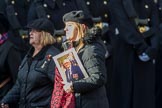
{"points": [[48, 16], [148, 19], [146, 6], [105, 2], [45, 5], [88, 3], [105, 15], [16, 13], [12, 2], [64, 4]]}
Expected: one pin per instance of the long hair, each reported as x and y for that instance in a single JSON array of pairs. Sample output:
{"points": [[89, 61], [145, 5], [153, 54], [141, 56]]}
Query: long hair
{"points": [[81, 30], [46, 39]]}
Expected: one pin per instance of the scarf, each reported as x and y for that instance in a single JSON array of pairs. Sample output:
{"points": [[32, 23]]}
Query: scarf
{"points": [[61, 99], [3, 38]]}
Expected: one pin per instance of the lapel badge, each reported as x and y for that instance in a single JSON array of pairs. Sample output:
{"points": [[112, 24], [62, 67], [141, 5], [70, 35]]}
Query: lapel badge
{"points": [[43, 65], [48, 57]]}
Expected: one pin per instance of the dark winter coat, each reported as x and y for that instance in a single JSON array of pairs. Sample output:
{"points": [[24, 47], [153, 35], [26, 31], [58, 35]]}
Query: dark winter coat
{"points": [[100, 8], [159, 62], [90, 92], [34, 85]]}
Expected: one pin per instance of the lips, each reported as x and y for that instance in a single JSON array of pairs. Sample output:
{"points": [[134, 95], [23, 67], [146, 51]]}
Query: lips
{"points": [[31, 37]]}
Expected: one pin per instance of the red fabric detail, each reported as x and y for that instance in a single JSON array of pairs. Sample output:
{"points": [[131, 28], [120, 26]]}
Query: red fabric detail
{"points": [[3, 38], [61, 99]]}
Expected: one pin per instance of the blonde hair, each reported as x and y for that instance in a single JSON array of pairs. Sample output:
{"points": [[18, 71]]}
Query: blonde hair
{"points": [[81, 30], [46, 38]]}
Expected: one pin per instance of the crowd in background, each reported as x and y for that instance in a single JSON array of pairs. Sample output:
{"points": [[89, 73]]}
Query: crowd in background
{"points": [[120, 47]]}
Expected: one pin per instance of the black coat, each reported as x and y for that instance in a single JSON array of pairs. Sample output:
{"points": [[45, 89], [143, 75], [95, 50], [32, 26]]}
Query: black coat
{"points": [[159, 62], [91, 90], [132, 84], [9, 64], [100, 8], [35, 80]]}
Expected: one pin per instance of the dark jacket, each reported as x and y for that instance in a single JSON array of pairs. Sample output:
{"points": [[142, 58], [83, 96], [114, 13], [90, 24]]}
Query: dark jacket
{"points": [[159, 62], [9, 64], [100, 8], [92, 89], [34, 85]]}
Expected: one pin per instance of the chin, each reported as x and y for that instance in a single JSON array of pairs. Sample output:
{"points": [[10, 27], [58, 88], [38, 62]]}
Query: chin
{"points": [[31, 43]]}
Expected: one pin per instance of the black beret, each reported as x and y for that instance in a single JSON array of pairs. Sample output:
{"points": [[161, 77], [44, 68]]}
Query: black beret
{"points": [[42, 24], [79, 17], [4, 24]]}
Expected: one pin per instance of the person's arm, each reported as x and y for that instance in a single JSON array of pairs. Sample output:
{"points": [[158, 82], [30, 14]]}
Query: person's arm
{"points": [[128, 31], [13, 95], [94, 62], [154, 40]]}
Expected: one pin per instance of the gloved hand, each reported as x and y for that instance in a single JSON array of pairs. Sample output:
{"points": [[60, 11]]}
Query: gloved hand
{"points": [[144, 57]]}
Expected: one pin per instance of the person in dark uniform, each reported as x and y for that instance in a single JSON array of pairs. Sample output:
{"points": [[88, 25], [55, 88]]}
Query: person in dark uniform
{"points": [[135, 44], [16, 12], [159, 61], [9, 59]]}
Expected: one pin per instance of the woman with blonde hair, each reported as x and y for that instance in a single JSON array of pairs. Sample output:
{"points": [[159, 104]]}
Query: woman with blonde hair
{"points": [[87, 92], [34, 84]]}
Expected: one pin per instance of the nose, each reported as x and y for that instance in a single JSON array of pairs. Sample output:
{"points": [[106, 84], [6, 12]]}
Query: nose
{"points": [[65, 29], [30, 32]]}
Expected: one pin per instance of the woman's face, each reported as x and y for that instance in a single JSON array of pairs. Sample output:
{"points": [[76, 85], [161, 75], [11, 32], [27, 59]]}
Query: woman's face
{"points": [[34, 37], [71, 31]]}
